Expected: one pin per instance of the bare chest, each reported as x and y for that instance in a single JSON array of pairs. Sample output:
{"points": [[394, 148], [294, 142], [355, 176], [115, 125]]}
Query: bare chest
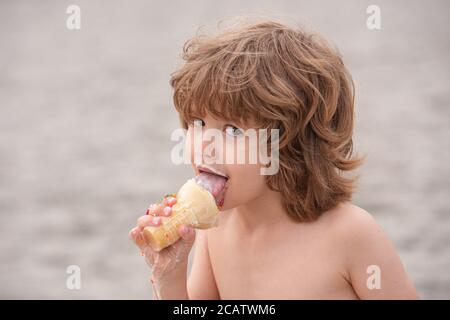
{"points": [[290, 267]]}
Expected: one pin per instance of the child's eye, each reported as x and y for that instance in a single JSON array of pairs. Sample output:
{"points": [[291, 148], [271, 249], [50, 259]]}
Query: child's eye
{"points": [[198, 122], [233, 131]]}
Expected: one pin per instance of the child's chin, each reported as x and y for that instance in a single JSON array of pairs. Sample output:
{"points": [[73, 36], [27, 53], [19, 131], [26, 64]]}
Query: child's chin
{"points": [[229, 204], [225, 207]]}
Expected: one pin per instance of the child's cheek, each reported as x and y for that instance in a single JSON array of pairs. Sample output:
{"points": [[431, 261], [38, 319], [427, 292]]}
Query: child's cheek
{"points": [[190, 147], [246, 181]]}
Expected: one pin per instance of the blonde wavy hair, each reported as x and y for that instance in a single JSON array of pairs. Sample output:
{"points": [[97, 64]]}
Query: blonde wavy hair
{"points": [[281, 77]]}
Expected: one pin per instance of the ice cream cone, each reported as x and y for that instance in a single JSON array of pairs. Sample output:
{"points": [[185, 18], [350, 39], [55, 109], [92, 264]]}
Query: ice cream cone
{"points": [[195, 207]]}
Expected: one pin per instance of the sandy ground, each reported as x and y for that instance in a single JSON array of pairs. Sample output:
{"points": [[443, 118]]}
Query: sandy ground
{"points": [[86, 118]]}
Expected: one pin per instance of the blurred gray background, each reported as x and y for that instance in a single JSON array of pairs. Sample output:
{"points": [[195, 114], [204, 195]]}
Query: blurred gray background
{"points": [[86, 117]]}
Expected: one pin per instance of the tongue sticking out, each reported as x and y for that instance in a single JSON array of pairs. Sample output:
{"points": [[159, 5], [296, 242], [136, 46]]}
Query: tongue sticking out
{"points": [[215, 184]]}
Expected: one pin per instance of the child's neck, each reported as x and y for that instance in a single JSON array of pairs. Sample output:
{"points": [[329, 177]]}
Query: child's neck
{"points": [[263, 212]]}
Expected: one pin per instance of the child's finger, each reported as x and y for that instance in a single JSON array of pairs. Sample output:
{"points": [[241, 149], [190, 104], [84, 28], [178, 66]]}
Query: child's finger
{"points": [[160, 210], [136, 236], [146, 221], [169, 200], [167, 211], [184, 245], [133, 233], [156, 209]]}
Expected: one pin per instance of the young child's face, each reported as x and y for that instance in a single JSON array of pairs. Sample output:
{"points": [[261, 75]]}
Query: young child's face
{"points": [[245, 183]]}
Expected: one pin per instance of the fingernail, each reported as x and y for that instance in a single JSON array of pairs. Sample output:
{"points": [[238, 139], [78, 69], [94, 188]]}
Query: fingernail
{"points": [[151, 209], [171, 201], [148, 211], [167, 211], [133, 234], [156, 220]]}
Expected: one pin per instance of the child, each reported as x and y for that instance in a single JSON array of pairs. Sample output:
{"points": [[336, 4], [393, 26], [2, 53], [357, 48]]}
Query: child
{"points": [[294, 234]]}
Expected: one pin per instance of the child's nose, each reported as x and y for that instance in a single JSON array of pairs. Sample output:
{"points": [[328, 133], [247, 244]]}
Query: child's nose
{"points": [[209, 150]]}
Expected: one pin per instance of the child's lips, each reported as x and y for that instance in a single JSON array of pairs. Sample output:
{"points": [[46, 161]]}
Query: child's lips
{"points": [[208, 169]]}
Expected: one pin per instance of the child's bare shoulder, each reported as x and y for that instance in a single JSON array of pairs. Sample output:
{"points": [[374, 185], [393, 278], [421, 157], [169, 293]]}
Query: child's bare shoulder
{"points": [[348, 215], [355, 231], [364, 246], [348, 221]]}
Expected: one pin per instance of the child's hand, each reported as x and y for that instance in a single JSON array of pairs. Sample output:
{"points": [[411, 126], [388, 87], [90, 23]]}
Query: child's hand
{"points": [[169, 262]]}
